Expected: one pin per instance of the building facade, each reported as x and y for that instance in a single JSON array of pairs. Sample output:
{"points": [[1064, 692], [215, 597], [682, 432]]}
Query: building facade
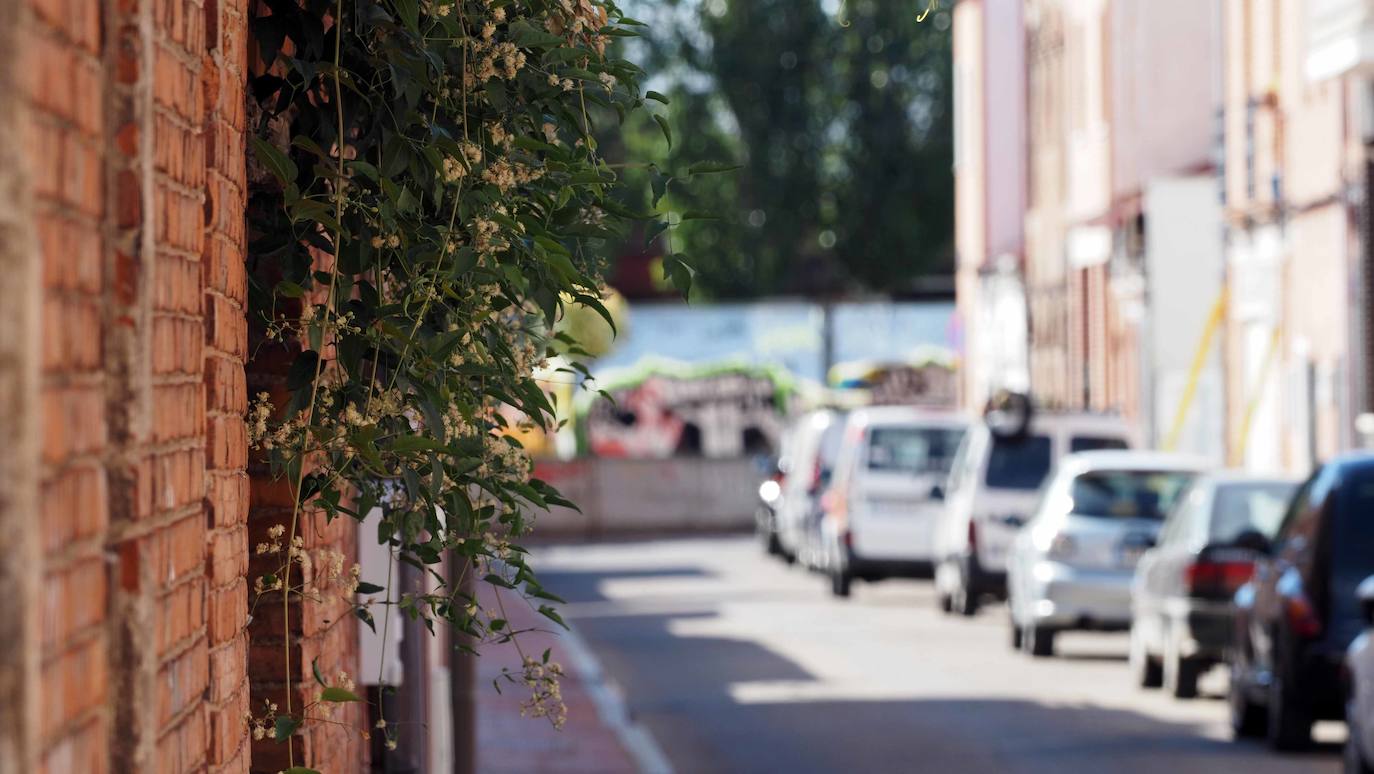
{"points": [[990, 196]]}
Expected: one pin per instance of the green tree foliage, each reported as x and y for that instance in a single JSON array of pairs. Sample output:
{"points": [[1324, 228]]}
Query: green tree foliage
{"points": [[844, 134]]}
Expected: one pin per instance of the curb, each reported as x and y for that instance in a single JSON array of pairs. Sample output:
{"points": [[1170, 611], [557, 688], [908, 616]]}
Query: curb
{"points": [[610, 706]]}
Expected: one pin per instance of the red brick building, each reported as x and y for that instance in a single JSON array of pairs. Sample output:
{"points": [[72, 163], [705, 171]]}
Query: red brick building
{"points": [[125, 484]]}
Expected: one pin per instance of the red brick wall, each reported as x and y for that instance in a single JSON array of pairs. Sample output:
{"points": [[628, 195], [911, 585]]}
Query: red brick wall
{"points": [[133, 117], [322, 633], [64, 129], [223, 279]]}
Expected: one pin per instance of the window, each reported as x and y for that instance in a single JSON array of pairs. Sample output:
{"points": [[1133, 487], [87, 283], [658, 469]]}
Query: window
{"points": [[912, 449], [1019, 464], [1127, 494], [1178, 525], [1240, 507], [1352, 539], [1082, 443]]}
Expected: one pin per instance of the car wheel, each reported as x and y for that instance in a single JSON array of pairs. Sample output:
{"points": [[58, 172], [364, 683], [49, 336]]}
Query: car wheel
{"points": [[1039, 641], [945, 602], [965, 601], [1017, 635], [1290, 725], [1248, 720], [840, 582], [1147, 671], [1180, 674], [763, 531], [1354, 762]]}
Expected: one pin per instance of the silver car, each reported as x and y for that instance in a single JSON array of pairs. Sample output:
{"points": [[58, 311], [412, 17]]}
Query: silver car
{"points": [[1072, 565]]}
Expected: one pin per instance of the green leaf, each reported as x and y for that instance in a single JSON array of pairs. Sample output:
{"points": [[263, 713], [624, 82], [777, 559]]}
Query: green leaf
{"points": [[699, 215], [712, 167], [369, 588], [300, 770], [336, 694], [289, 289], [659, 183], [651, 94], [315, 668], [654, 230], [409, 11], [286, 726], [667, 133], [278, 163], [410, 443]]}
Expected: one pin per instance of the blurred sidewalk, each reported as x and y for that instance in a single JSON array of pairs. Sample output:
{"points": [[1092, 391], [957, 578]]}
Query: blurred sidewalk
{"points": [[590, 742]]}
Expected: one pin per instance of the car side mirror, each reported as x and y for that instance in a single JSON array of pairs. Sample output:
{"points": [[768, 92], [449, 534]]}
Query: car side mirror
{"points": [[937, 492], [1365, 594], [1254, 540]]}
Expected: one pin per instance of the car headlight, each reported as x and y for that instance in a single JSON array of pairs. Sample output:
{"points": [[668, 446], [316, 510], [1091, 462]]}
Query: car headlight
{"points": [[769, 491]]}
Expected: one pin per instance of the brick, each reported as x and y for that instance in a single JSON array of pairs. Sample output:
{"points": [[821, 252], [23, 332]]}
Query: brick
{"points": [[181, 615], [228, 559], [227, 611], [82, 749], [181, 681], [73, 422], [72, 332], [76, 683], [226, 389], [178, 284], [74, 505], [180, 412], [177, 346], [71, 254], [226, 442], [227, 499], [224, 329], [183, 747], [73, 602]]}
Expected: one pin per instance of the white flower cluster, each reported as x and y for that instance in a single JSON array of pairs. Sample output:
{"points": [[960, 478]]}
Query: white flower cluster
{"points": [[546, 695]]}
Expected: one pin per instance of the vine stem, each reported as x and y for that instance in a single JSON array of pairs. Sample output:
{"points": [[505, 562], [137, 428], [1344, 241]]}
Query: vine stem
{"points": [[319, 365]]}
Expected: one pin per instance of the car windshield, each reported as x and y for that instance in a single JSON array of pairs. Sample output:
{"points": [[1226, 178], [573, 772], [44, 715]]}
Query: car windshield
{"points": [[912, 449], [1019, 463], [1244, 506], [1127, 494]]}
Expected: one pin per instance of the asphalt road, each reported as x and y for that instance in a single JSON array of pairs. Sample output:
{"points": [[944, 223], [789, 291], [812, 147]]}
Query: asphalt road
{"points": [[735, 663]]}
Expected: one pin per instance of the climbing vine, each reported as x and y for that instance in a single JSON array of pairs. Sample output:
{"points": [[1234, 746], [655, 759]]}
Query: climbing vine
{"points": [[427, 198]]}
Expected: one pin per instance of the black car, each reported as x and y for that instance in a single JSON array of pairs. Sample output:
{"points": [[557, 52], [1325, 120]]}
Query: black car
{"points": [[1181, 614], [1298, 615]]}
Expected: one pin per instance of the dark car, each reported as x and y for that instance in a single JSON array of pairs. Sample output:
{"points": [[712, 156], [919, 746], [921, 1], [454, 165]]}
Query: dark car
{"points": [[1359, 706], [1181, 614], [1298, 615]]}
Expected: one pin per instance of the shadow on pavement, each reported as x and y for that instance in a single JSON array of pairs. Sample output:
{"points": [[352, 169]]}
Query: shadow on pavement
{"points": [[680, 689]]}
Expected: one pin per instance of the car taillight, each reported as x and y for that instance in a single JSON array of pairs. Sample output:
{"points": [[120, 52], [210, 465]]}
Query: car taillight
{"points": [[1216, 579], [1302, 616], [836, 504]]}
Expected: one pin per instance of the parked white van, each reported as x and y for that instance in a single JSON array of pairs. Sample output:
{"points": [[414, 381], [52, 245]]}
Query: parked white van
{"points": [[808, 461], [878, 514], [993, 489]]}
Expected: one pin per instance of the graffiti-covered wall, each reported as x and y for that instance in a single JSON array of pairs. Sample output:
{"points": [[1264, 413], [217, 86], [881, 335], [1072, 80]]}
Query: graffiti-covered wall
{"points": [[718, 414]]}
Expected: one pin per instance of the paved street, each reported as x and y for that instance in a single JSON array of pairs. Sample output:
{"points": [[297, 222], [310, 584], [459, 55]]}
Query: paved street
{"points": [[736, 664]]}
